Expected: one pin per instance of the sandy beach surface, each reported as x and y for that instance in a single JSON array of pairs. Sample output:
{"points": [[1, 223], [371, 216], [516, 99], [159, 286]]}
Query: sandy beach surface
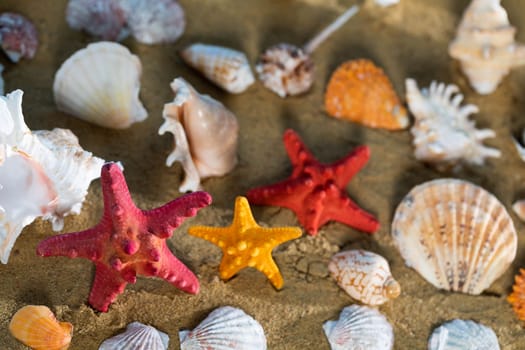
{"points": [[407, 40]]}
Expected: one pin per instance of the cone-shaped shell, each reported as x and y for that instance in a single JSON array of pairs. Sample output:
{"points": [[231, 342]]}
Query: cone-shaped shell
{"points": [[365, 276], [361, 92], [137, 336], [227, 68], [517, 297], [37, 327], [359, 327], [463, 335], [458, 236], [225, 328], [205, 135], [100, 84]]}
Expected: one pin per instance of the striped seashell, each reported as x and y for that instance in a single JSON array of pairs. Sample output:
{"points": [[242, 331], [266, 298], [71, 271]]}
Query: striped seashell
{"points": [[463, 335], [227, 68], [359, 328], [365, 276], [225, 328], [37, 327], [137, 336], [458, 236]]}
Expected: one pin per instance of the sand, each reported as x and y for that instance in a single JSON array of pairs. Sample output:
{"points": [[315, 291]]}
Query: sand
{"points": [[408, 40]]}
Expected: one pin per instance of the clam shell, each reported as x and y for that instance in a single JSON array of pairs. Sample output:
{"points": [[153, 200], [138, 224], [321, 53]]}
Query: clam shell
{"points": [[137, 336], [359, 327], [365, 276], [225, 328], [517, 297], [37, 327], [360, 92], [18, 36], [227, 68], [100, 84], [458, 236], [463, 335]]}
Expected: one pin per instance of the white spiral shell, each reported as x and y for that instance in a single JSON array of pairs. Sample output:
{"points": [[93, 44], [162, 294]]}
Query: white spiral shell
{"points": [[137, 336], [463, 335]]}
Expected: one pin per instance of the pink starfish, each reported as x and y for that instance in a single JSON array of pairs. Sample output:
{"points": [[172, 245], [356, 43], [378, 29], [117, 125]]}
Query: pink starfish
{"points": [[128, 241], [316, 192]]}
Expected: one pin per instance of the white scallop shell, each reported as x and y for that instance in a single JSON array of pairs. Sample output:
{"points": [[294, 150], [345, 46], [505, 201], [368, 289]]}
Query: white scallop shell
{"points": [[137, 336], [359, 328], [365, 276], [485, 45], [42, 174], [225, 328], [458, 236], [205, 134], [443, 133], [100, 84], [225, 67], [463, 335]]}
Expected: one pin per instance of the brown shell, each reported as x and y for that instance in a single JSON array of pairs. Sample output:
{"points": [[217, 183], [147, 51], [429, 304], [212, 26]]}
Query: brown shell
{"points": [[517, 297], [361, 92]]}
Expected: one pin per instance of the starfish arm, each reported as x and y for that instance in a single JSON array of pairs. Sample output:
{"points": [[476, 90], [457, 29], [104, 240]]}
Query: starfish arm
{"points": [[162, 221], [117, 198], [277, 235], [271, 271], [350, 165], [215, 235], [84, 244], [297, 151], [229, 267], [107, 286], [288, 193]]}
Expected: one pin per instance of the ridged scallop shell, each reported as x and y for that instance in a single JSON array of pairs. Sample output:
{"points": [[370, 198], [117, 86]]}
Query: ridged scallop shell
{"points": [[361, 92], [365, 276], [42, 174], [517, 297], [458, 236], [227, 68], [443, 133], [463, 335], [485, 45], [137, 336], [359, 328], [100, 84], [18, 36], [37, 327], [225, 328], [153, 22], [205, 134]]}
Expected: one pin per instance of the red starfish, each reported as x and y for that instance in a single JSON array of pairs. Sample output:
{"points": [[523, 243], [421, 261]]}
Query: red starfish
{"points": [[315, 191], [128, 241]]}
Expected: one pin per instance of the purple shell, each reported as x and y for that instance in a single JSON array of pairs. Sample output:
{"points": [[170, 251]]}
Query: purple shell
{"points": [[18, 36]]}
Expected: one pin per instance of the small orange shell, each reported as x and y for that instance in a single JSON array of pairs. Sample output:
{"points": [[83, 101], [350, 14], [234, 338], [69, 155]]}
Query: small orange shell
{"points": [[517, 297], [37, 327], [361, 92]]}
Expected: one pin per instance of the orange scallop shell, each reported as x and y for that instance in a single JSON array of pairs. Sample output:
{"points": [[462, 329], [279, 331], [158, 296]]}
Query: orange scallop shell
{"points": [[37, 327], [361, 92], [517, 297]]}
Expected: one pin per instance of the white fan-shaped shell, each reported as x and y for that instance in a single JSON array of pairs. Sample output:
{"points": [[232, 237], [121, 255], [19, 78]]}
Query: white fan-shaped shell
{"points": [[225, 328], [225, 67], [443, 133], [463, 335], [100, 84], [365, 276], [458, 236], [359, 328], [137, 336]]}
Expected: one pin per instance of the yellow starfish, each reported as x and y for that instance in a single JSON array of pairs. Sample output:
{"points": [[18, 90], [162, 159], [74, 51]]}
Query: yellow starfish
{"points": [[244, 243]]}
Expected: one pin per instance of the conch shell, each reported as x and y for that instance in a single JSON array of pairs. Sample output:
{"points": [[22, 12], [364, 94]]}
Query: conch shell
{"points": [[485, 45], [205, 135]]}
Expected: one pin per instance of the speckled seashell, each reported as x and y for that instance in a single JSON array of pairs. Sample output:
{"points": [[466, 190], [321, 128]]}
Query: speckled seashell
{"points": [[153, 22], [463, 335], [37, 327], [137, 336], [361, 92], [205, 134], [359, 328], [227, 68], [18, 36], [42, 174], [517, 297], [100, 84], [443, 134], [485, 45], [458, 236], [225, 328], [365, 276]]}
